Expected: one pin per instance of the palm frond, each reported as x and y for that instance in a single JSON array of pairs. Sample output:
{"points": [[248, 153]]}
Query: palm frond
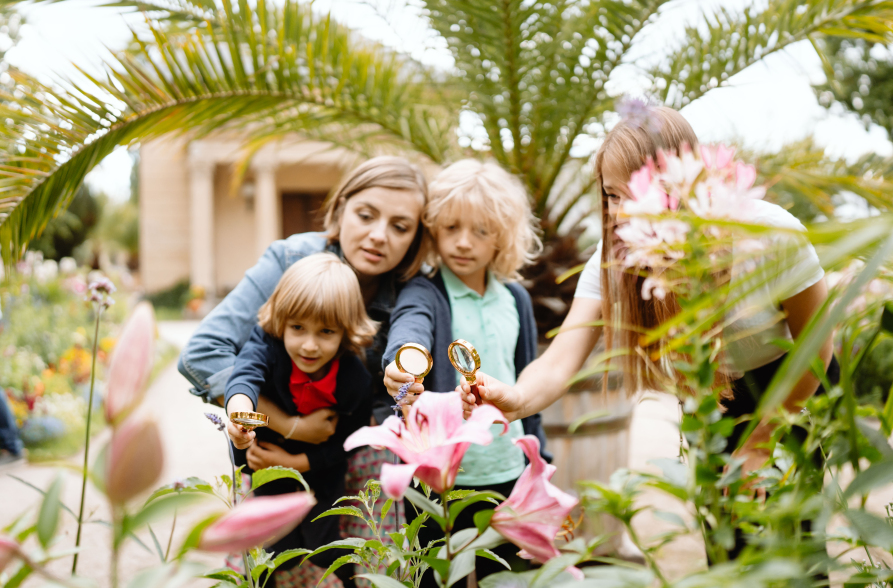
{"points": [[536, 73], [728, 42], [803, 178], [266, 71]]}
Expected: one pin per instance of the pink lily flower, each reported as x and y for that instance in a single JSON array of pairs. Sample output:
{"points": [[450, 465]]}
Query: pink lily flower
{"points": [[135, 459], [9, 549], [717, 157], [131, 364], [536, 509], [256, 522], [431, 443]]}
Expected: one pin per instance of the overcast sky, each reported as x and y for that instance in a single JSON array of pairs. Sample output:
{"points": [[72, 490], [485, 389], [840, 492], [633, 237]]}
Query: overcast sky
{"points": [[766, 106]]}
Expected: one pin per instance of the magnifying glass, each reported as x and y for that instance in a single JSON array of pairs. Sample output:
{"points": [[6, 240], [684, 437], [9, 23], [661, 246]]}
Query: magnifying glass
{"points": [[415, 360], [467, 362], [250, 420]]}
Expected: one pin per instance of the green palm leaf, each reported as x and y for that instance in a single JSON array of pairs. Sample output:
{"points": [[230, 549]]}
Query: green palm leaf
{"points": [[264, 70], [728, 42]]}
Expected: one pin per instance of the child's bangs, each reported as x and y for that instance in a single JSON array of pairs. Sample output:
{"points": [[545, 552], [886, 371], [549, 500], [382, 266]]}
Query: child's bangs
{"points": [[322, 301], [471, 205]]}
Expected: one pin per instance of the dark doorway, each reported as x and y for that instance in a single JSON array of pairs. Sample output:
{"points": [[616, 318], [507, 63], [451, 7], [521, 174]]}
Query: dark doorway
{"points": [[302, 212]]}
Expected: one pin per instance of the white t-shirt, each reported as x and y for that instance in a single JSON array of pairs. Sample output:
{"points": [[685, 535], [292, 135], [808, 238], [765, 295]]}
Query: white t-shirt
{"points": [[749, 337]]}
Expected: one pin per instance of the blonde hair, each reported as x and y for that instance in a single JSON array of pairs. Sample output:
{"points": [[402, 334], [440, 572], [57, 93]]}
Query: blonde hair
{"points": [[628, 147], [393, 173], [487, 192], [322, 287]]}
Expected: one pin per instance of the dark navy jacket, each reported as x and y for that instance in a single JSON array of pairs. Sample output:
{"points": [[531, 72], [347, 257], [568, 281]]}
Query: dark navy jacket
{"points": [[423, 315], [263, 367]]}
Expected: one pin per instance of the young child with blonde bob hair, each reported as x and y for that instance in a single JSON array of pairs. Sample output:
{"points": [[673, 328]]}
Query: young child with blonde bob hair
{"points": [[302, 356], [484, 232]]}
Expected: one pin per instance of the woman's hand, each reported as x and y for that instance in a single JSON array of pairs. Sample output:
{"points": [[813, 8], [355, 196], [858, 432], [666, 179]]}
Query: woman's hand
{"points": [[239, 435], [317, 426], [494, 392], [394, 378]]}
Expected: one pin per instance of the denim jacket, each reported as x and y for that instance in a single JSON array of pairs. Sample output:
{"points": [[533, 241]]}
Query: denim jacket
{"points": [[209, 356]]}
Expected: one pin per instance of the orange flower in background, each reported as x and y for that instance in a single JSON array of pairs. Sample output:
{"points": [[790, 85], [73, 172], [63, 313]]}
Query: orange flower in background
{"points": [[76, 362]]}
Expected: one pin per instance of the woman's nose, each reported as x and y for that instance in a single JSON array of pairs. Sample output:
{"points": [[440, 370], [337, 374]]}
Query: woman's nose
{"points": [[379, 232]]}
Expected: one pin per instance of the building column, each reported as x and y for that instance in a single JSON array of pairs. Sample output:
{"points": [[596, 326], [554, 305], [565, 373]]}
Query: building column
{"points": [[201, 225], [267, 215]]}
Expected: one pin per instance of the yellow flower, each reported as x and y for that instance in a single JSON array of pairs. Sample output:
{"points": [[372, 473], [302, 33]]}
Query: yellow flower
{"points": [[107, 343]]}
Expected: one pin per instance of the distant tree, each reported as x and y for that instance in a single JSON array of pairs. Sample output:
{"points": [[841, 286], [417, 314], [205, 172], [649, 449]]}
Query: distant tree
{"points": [[71, 227], [860, 78]]}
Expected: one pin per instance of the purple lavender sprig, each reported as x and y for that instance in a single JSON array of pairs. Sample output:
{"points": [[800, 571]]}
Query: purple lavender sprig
{"points": [[639, 113], [401, 395], [100, 291], [216, 420]]}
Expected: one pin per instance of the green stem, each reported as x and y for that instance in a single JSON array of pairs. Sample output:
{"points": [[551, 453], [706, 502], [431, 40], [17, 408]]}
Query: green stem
{"points": [[648, 558], [447, 531], [170, 540], [77, 541], [232, 463], [116, 542]]}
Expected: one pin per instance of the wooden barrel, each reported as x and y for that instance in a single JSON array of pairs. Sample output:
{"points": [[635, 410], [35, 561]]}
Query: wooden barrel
{"points": [[597, 448]]}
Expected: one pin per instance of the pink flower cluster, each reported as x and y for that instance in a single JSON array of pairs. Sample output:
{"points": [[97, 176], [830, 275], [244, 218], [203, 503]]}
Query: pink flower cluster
{"points": [[653, 232]]}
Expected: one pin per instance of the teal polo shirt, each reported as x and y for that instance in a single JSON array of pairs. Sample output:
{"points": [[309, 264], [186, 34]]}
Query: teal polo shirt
{"points": [[490, 323]]}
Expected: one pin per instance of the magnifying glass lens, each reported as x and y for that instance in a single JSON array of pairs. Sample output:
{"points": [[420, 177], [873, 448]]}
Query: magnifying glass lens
{"points": [[463, 359], [414, 361]]}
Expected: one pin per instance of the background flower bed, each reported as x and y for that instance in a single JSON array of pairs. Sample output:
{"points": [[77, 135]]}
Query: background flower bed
{"points": [[46, 337]]}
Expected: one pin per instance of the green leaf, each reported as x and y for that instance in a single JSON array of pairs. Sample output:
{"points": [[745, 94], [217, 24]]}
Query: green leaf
{"points": [[48, 518], [352, 543], [887, 318], [380, 581], [158, 548], [43, 493], [878, 474], [439, 565], [226, 575], [266, 475], [160, 508], [670, 517], [195, 534], [460, 567], [386, 508], [887, 415], [490, 555], [482, 519], [433, 510], [342, 510], [488, 540], [552, 568], [461, 539], [872, 530], [288, 555], [350, 558], [173, 574], [191, 484], [457, 507]]}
